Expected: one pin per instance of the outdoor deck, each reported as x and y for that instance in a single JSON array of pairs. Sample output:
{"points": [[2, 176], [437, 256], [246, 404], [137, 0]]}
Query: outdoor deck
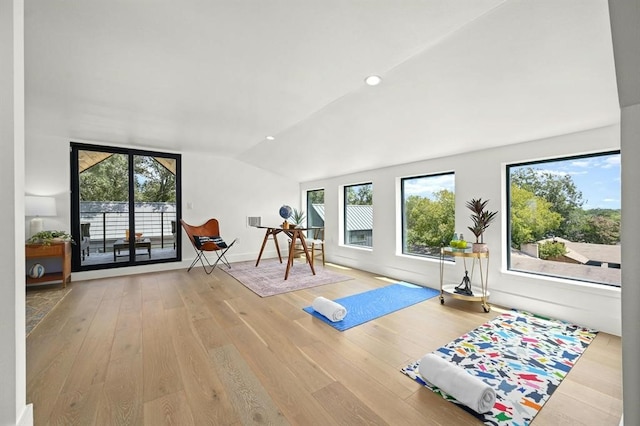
{"points": [[98, 257]]}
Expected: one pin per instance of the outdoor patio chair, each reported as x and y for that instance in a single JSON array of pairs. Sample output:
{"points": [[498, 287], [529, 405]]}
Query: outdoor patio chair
{"points": [[206, 238], [85, 239], [173, 232]]}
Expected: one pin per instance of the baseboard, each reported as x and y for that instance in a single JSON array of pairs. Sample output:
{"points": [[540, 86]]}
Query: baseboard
{"points": [[26, 419]]}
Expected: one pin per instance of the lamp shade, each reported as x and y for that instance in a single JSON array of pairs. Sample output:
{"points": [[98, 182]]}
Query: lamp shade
{"points": [[39, 206]]}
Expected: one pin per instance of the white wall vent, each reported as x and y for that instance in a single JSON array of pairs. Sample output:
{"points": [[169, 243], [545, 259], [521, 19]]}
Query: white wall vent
{"points": [[254, 220]]}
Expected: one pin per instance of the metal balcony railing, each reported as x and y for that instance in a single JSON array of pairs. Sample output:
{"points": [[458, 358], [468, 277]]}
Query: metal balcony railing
{"points": [[107, 227]]}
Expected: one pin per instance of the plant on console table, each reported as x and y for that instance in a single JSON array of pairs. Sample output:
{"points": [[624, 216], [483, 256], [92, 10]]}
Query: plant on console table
{"points": [[47, 237], [481, 218]]}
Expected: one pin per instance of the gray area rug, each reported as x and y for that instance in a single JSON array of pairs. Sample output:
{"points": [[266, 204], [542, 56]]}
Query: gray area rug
{"points": [[267, 279], [39, 302]]}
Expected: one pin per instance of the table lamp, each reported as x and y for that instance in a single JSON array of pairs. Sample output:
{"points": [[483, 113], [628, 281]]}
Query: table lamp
{"points": [[36, 207]]}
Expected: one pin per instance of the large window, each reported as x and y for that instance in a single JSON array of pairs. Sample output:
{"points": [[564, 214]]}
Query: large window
{"points": [[428, 213], [315, 208], [564, 218], [358, 215], [125, 207]]}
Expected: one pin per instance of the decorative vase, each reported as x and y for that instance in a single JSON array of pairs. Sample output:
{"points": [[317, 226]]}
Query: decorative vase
{"points": [[479, 248], [285, 225], [36, 271]]}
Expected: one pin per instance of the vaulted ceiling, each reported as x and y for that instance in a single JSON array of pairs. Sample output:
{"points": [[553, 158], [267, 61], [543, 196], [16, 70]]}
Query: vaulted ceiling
{"points": [[220, 76]]}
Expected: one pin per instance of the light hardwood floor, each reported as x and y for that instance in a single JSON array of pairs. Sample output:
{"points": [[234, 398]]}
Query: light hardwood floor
{"points": [[193, 349]]}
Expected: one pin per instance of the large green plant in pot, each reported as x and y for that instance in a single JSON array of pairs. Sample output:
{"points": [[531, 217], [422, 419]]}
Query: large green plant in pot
{"points": [[481, 219]]}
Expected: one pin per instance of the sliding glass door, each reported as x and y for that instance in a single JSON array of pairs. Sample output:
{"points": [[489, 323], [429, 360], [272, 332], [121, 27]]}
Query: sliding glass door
{"points": [[125, 207]]}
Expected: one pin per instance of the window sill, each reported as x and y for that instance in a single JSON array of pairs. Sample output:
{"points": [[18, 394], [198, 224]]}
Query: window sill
{"points": [[583, 286]]}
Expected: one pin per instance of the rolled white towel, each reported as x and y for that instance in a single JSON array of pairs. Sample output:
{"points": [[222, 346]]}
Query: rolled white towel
{"points": [[457, 382], [330, 309]]}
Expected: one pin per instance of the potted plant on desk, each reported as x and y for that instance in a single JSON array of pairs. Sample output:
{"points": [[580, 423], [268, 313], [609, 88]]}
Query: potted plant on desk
{"points": [[481, 220], [297, 217]]}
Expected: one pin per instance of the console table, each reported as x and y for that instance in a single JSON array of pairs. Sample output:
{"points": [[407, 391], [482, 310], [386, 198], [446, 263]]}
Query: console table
{"points": [[56, 252]]}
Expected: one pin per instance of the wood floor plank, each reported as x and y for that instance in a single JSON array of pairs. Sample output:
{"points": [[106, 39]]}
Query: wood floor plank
{"points": [[372, 364], [210, 403], [220, 310], [365, 386], [439, 412], [127, 341], [169, 294], [76, 407], [90, 366], [210, 333], [170, 409], [153, 315], [178, 322], [345, 407], [121, 399], [195, 305], [161, 370], [290, 391], [45, 380], [251, 401]]}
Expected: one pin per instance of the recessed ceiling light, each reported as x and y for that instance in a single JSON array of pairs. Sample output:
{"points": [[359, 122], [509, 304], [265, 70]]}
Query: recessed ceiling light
{"points": [[373, 80], [270, 138]]}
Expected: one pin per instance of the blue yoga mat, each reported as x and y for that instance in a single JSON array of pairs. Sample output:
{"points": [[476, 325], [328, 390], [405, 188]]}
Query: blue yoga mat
{"points": [[373, 304]]}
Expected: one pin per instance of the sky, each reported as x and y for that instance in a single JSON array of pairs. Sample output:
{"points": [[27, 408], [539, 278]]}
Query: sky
{"points": [[427, 186], [597, 177]]}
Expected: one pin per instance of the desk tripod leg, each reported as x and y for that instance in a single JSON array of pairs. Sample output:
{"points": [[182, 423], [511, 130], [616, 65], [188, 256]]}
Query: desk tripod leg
{"points": [[306, 253], [264, 243]]}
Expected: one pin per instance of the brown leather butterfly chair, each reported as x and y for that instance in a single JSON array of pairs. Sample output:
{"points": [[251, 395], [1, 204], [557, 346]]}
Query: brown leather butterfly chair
{"points": [[205, 238]]}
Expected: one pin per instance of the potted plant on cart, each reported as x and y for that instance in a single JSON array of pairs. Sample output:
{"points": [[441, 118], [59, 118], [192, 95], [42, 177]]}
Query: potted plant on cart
{"points": [[481, 218]]}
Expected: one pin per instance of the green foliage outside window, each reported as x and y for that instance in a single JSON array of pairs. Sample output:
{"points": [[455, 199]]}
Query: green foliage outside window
{"points": [[545, 204], [429, 223], [360, 195], [532, 217], [551, 250], [108, 180]]}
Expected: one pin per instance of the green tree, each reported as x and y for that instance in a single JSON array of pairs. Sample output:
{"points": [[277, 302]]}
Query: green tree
{"points": [[531, 217], [360, 195], [154, 182], [600, 229], [316, 197], [429, 222], [107, 180], [551, 250], [574, 226], [559, 190]]}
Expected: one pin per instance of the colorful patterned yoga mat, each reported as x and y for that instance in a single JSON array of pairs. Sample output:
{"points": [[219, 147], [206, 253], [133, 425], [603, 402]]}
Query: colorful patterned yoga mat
{"points": [[522, 356]]}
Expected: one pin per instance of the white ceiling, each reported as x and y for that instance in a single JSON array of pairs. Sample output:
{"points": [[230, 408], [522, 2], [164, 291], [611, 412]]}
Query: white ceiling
{"points": [[219, 76]]}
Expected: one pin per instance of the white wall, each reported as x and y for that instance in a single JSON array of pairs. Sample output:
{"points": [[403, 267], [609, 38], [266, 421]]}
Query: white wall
{"points": [[478, 174], [230, 190], [13, 408], [625, 26]]}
